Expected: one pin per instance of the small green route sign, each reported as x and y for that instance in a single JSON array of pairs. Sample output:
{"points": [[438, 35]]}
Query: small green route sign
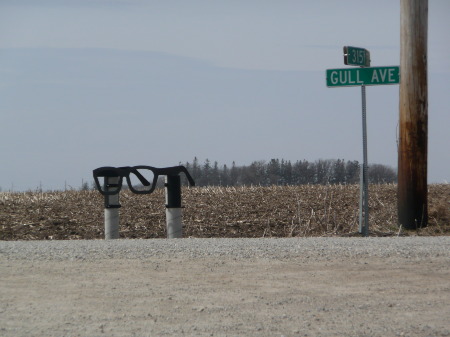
{"points": [[354, 56], [363, 76]]}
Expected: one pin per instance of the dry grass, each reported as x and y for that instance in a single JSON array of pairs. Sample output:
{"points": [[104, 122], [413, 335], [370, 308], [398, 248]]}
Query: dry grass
{"points": [[277, 211]]}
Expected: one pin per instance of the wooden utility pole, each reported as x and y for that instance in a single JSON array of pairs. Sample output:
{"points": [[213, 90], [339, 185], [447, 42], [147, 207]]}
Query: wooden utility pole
{"points": [[413, 133]]}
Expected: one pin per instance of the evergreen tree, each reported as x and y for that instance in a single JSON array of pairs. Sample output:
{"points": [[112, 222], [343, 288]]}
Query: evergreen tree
{"points": [[338, 172], [196, 171], [248, 175], [206, 173], [323, 173], [255, 174], [301, 173], [225, 176], [352, 172], [234, 175], [286, 172], [215, 175], [273, 172]]}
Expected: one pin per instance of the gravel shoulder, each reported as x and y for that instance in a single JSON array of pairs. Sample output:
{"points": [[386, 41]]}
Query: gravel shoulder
{"points": [[397, 286]]}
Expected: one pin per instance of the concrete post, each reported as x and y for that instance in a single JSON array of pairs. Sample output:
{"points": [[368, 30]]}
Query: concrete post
{"points": [[111, 210]]}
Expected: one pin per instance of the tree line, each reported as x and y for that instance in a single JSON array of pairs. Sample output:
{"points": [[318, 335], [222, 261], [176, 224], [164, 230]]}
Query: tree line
{"points": [[284, 172], [276, 172]]}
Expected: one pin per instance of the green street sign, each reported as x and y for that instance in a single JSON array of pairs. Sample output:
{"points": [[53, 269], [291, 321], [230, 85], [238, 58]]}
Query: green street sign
{"points": [[363, 76], [354, 56]]}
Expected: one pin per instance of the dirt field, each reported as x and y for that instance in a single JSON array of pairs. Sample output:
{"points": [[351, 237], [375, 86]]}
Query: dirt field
{"points": [[278, 211]]}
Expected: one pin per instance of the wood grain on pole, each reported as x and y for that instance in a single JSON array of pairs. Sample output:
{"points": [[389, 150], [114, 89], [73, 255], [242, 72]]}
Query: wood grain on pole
{"points": [[413, 128]]}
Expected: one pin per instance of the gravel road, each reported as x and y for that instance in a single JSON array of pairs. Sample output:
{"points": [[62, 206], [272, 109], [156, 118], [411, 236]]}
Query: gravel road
{"points": [[397, 286]]}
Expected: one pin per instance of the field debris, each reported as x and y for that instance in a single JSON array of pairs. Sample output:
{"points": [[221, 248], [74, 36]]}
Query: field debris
{"points": [[254, 211]]}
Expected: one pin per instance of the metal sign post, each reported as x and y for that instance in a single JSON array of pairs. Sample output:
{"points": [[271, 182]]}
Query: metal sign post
{"points": [[361, 197], [364, 228]]}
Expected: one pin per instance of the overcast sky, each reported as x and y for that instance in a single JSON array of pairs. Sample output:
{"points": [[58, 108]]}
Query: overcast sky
{"points": [[92, 83]]}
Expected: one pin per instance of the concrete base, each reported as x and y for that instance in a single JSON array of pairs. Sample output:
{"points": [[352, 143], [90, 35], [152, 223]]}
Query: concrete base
{"points": [[174, 223]]}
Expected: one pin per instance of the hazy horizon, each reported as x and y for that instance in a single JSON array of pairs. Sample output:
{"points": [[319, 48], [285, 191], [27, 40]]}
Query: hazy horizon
{"points": [[128, 82]]}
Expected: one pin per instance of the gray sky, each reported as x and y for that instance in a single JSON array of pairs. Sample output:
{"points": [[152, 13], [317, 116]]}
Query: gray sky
{"points": [[90, 83]]}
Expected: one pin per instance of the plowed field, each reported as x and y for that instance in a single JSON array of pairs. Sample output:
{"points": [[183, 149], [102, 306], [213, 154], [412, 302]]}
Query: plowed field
{"points": [[277, 211]]}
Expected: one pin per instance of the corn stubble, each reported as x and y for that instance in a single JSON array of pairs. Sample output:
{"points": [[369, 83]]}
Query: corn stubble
{"points": [[276, 211]]}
